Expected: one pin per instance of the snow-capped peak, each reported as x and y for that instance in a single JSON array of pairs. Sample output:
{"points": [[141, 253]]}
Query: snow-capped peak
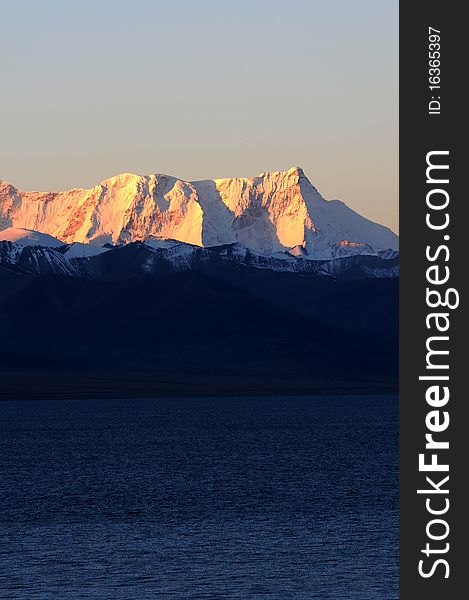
{"points": [[273, 212]]}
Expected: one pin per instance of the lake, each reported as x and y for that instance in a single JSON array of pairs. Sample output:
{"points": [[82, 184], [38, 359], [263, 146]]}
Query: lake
{"points": [[210, 498]]}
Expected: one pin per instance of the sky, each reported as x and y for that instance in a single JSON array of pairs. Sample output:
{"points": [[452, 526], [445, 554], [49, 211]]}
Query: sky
{"points": [[203, 89]]}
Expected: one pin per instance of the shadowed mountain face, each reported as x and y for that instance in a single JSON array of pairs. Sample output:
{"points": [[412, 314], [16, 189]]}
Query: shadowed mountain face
{"points": [[263, 328]]}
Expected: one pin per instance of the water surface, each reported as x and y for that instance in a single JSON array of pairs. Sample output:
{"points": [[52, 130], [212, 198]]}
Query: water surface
{"points": [[271, 498]]}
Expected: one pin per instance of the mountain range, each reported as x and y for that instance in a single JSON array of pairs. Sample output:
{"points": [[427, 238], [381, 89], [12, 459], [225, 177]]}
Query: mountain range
{"points": [[152, 285], [30, 252], [274, 212]]}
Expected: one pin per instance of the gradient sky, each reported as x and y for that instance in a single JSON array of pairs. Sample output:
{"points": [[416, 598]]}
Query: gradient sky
{"points": [[203, 89]]}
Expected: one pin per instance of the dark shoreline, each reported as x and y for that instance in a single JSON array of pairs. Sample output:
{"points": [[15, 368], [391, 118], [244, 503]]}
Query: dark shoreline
{"points": [[30, 385]]}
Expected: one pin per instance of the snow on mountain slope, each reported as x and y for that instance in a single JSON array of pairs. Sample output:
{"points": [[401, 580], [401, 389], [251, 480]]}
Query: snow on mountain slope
{"points": [[79, 250], [28, 237], [34, 259], [271, 213]]}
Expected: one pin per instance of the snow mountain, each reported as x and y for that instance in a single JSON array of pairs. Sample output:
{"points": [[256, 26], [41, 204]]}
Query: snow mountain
{"points": [[273, 213]]}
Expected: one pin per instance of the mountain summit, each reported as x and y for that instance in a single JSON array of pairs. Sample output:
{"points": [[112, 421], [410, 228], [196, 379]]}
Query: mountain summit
{"points": [[273, 212]]}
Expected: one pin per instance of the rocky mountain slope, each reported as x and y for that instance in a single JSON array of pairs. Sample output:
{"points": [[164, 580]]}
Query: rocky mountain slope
{"points": [[157, 256]]}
